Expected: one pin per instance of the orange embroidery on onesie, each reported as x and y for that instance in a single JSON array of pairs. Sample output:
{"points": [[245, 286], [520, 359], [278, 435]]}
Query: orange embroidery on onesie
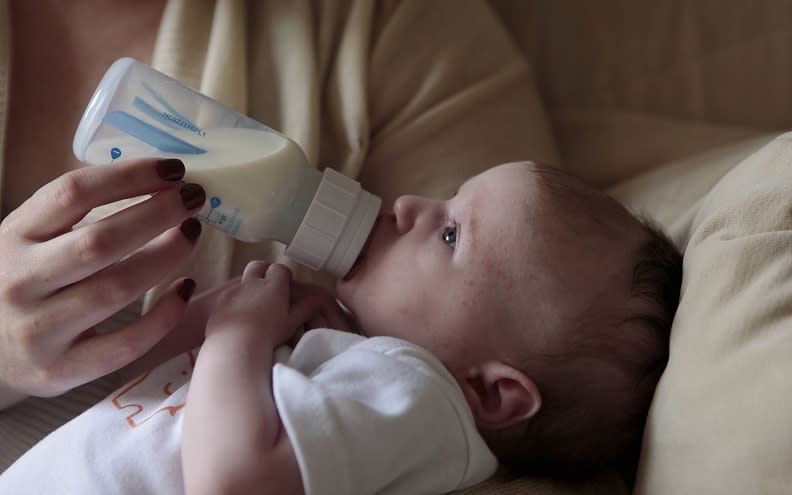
{"points": [[139, 415]]}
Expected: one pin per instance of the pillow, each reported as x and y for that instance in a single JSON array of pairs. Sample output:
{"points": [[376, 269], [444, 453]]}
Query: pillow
{"points": [[720, 419], [669, 191]]}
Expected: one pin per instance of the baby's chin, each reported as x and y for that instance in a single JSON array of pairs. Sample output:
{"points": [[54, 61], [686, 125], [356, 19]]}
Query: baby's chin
{"points": [[351, 318], [345, 294], [343, 291], [352, 286]]}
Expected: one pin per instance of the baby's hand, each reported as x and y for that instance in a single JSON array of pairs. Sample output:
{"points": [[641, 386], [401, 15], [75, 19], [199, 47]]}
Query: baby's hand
{"points": [[264, 306]]}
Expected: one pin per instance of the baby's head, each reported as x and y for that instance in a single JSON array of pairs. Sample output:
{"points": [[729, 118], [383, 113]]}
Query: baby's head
{"points": [[547, 300]]}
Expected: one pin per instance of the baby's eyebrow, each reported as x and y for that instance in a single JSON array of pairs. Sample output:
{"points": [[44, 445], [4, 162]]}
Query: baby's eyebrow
{"points": [[460, 188], [467, 223]]}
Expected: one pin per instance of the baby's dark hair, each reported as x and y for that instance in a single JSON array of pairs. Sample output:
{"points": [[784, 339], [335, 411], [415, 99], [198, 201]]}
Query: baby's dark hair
{"points": [[597, 389]]}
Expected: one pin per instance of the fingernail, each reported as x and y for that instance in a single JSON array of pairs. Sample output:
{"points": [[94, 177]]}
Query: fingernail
{"points": [[170, 169], [191, 228], [186, 289], [192, 195]]}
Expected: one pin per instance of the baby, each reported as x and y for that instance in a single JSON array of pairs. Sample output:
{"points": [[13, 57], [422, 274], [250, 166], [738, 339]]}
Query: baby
{"points": [[525, 321], [547, 303]]}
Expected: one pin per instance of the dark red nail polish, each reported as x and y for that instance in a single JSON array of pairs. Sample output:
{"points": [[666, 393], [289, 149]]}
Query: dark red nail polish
{"points": [[186, 289], [191, 228], [192, 195], [170, 169]]}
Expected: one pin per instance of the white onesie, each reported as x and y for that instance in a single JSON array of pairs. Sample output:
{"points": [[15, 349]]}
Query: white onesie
{"points": [[365, 416]]}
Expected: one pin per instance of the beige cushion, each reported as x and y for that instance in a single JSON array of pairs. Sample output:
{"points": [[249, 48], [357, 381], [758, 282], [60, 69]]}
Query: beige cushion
{"points": [[607, 146], [723, 61], [720, 419], [631, 84], [669, 192]]}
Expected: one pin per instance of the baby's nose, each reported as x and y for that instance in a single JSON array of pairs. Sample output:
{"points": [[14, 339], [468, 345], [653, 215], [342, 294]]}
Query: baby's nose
{"points": [[405, 209]]}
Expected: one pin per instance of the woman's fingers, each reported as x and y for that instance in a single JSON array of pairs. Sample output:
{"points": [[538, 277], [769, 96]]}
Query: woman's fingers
{"points": [[96, 356], [76, 255], [59, 204], [101, 295]]}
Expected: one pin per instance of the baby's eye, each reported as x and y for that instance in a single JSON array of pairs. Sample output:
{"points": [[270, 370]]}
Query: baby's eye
{"points": [[449, 235]]}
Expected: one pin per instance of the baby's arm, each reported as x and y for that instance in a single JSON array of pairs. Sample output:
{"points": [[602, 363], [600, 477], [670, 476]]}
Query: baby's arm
{"points": [[233, 440]]}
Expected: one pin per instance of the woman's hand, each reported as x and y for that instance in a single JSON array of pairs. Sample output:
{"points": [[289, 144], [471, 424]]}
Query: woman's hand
{"points": [[57, 281]]}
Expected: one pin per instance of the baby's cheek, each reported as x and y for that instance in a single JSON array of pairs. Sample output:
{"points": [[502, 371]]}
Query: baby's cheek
{"points": [[413, 311], [409, 304]]}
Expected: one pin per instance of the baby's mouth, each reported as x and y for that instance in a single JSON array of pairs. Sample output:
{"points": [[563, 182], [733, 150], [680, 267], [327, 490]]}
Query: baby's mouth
{"points": [[354, 268], [362, 255]]}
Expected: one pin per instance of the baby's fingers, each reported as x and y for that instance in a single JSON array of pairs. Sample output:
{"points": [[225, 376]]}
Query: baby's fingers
{"points": [[277, 278], [96, 356], [279, 274], [255, 269]]}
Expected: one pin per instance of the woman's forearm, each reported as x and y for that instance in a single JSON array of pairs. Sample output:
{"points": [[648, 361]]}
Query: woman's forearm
{"points": [[230, 422]]}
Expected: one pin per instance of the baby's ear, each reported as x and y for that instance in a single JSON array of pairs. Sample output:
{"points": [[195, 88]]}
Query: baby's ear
{"points": [[499, 395]]}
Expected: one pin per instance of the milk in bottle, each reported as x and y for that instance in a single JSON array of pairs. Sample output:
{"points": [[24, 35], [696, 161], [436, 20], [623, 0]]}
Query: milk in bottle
{"points": [[258, 182]]}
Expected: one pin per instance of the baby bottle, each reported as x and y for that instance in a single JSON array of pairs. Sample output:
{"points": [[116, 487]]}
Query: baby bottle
{"points": [[259, 184]]}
